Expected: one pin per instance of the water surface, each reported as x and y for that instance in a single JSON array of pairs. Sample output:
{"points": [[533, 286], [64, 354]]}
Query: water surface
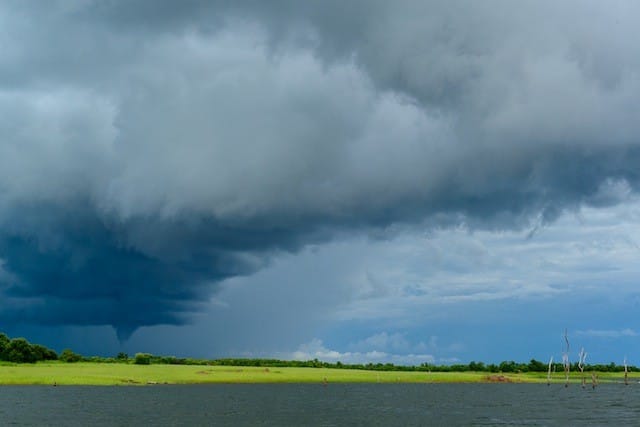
{"points": [[317, 405]]}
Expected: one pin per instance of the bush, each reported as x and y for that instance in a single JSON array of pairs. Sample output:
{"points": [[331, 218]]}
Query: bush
{"points": [[142, 359], [4, 342], [69, 356], [44, 353], [20, 351]]}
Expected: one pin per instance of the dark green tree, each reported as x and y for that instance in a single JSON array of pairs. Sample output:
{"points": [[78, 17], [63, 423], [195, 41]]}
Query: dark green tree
{"points": [[142, 359], [508, 366], [20, 351], [44, 353], [69, 356], [537, 366], [4, 342], [476, 366]]}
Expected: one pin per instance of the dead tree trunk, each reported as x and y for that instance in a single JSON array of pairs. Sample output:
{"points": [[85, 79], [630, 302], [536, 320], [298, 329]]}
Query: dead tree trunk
{"points": [[582, 356], [565, 360]]}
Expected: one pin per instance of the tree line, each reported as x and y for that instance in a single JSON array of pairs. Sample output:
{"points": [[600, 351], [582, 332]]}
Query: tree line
{"points": [[473, 366], [19, 350]]}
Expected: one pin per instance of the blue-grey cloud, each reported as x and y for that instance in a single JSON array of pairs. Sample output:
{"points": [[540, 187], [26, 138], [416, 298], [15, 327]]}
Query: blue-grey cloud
{"points": [[152, 149]]}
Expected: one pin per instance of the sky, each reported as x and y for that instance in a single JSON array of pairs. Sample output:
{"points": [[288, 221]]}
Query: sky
{"points": [[363, 181]]}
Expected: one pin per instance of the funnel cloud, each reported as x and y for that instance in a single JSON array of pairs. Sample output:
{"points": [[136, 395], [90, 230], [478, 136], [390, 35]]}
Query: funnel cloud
{"points": [[152, 149]]}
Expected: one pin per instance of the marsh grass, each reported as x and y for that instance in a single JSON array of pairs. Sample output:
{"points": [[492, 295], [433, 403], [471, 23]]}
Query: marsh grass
{"points": [[82, 373]]}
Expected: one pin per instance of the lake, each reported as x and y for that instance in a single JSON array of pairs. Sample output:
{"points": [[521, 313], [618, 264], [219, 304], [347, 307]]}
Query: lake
{"points": [[317, 405]]}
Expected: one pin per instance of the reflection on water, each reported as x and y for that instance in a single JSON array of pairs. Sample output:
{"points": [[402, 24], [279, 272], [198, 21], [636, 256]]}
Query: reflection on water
{"points": [[316, 405]]}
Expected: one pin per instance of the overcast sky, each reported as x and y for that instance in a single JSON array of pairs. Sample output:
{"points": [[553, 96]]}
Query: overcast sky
{"points": [[408, 182]]}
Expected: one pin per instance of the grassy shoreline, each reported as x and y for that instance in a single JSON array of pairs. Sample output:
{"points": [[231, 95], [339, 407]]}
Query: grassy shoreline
{"points": [[87, 373]]}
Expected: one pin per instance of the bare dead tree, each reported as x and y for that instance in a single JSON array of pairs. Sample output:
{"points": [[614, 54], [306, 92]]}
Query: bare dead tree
{"points": [[594, 380], [582, 356], [549, 371], [565, 360], [626, 372]]}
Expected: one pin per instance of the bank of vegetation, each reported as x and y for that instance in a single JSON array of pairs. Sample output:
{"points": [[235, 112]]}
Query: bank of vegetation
{"points": [[19, 351]]}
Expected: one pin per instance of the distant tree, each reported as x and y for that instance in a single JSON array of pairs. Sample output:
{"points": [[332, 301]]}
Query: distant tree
{"points": [[536, 366], [122, 356], [20, 351], [44, 353], [4, 342], [69, 356], [508, 366], [142, 359], [476, 366]]}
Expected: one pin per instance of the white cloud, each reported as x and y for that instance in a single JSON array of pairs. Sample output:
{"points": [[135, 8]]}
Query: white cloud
{"points": [[315, 349], [587, 251]]}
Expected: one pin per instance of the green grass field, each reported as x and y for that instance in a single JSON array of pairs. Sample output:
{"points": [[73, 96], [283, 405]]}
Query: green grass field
{"points": [[129, 374]]}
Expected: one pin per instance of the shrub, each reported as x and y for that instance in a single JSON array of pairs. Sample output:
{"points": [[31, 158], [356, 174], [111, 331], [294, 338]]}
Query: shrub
{"points": [[44, 353], [142, 359], [4, 342], [69, 356], [20, 351]]}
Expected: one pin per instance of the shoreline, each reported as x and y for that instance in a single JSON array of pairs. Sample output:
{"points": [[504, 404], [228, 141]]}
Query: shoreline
{"points": [[117, 374]]}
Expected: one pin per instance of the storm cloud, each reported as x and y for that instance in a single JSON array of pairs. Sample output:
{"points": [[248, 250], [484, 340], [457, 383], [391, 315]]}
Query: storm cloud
{"points": [[152, 149]]}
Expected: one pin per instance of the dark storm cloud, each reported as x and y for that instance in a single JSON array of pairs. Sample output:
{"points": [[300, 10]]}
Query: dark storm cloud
{"points": [[151, 149], [74, 267]]}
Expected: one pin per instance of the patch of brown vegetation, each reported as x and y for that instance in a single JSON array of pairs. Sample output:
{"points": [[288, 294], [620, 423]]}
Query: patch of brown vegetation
{"points": [[498, 379]]}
